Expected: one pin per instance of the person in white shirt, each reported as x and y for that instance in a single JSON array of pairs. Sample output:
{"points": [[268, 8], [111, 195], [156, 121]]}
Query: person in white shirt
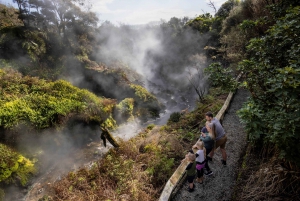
{"points": [[200, 160]]}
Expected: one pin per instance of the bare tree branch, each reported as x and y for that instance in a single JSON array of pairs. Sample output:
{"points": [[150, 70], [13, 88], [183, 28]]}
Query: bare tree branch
{"points": [[212, 5], [198, 82]]}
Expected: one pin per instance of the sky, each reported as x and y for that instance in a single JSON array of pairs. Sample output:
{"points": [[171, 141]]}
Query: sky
{"points": [[145, 11]]}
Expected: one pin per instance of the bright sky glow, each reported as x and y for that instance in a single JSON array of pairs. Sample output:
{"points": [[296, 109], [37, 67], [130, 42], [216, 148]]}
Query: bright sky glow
{"points": [[145, 11]]}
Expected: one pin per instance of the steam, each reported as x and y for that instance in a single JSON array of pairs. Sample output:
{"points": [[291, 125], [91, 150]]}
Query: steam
{"points": [[57, 152], [128, 130], [165, 57]]}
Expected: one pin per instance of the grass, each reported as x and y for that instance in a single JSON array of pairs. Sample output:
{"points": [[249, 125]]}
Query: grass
{"points": [[140, 167], [266, 177]]}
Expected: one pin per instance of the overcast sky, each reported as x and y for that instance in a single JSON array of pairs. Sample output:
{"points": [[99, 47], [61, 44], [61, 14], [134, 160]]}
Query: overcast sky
{"points": [[144, 11]]}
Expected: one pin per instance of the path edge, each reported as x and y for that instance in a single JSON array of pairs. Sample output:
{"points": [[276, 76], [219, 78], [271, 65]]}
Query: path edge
{"points": [[179, 175]]}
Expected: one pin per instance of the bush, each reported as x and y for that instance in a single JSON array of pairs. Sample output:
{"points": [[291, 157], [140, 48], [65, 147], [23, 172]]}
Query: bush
{"points": [[150, 126], [160, 164], [145, 100], [14, 167], [43, 104], [125, 109], [273, 78], [175, 117], [221, 76]]}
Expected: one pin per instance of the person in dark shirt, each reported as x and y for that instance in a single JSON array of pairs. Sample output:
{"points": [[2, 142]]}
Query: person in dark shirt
{"points": [[209, 142], [191, 170], [204, 129]]}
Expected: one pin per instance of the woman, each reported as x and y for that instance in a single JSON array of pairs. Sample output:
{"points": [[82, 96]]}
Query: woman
{"points": [[209, 142]]}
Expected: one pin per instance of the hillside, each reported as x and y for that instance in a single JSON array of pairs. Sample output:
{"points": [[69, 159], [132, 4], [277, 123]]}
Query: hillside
{"points": [[68, 81], [9, 17], [31, 106]]}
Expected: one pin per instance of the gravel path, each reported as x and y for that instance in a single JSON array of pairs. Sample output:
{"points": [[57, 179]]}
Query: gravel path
{"points": [[219, 186]]}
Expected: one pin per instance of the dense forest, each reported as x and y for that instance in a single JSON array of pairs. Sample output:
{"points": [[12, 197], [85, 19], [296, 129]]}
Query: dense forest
{"points": [[66, 78]]}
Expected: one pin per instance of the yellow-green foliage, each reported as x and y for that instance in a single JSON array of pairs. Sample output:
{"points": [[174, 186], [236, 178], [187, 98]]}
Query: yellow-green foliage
{"points": [[42, 104], [150, 126], [202, 23], [142, 93], [147, 103], [110, 123], [14, 167], [125, 108]]}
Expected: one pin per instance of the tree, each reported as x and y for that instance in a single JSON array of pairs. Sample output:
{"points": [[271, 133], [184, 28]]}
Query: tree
{"points": [[221, 76], [272, 75], [202, 23], [212, 5], [199, 82], [226, 7], [55, 15], [23, 9], [197, 78]]}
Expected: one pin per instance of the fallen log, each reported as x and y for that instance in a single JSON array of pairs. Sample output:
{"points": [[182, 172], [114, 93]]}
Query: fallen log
{"points": [[106, 135]]}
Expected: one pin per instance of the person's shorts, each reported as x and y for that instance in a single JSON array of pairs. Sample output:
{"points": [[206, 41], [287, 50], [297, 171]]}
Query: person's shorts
{"points": [[190, 178], [221, 142]]}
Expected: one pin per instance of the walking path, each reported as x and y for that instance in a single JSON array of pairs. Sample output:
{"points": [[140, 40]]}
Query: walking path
{"points": [[219, 186]]}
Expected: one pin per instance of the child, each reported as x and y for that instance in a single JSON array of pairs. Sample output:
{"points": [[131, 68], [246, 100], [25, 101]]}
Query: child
{"points": [[200, 160], [191, 170], [209, 142]]}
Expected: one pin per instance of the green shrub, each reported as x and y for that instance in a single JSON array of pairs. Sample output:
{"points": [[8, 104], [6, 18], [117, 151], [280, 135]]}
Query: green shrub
{"points": [[221, 76], [160, 164], [43, 104], [14, 167], [125, 108], [142, 93], [150, 126], [145, 100], [272, 76], [175, 117]]}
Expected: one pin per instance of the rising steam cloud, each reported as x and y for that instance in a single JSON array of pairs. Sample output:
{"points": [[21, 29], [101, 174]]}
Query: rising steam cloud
{"points": [[165, 57]]}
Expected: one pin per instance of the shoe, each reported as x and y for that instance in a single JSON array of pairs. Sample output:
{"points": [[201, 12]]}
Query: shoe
{"points": [[190, 189], [208, 173], [208, 158], [223, 162], [200, 181]]}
